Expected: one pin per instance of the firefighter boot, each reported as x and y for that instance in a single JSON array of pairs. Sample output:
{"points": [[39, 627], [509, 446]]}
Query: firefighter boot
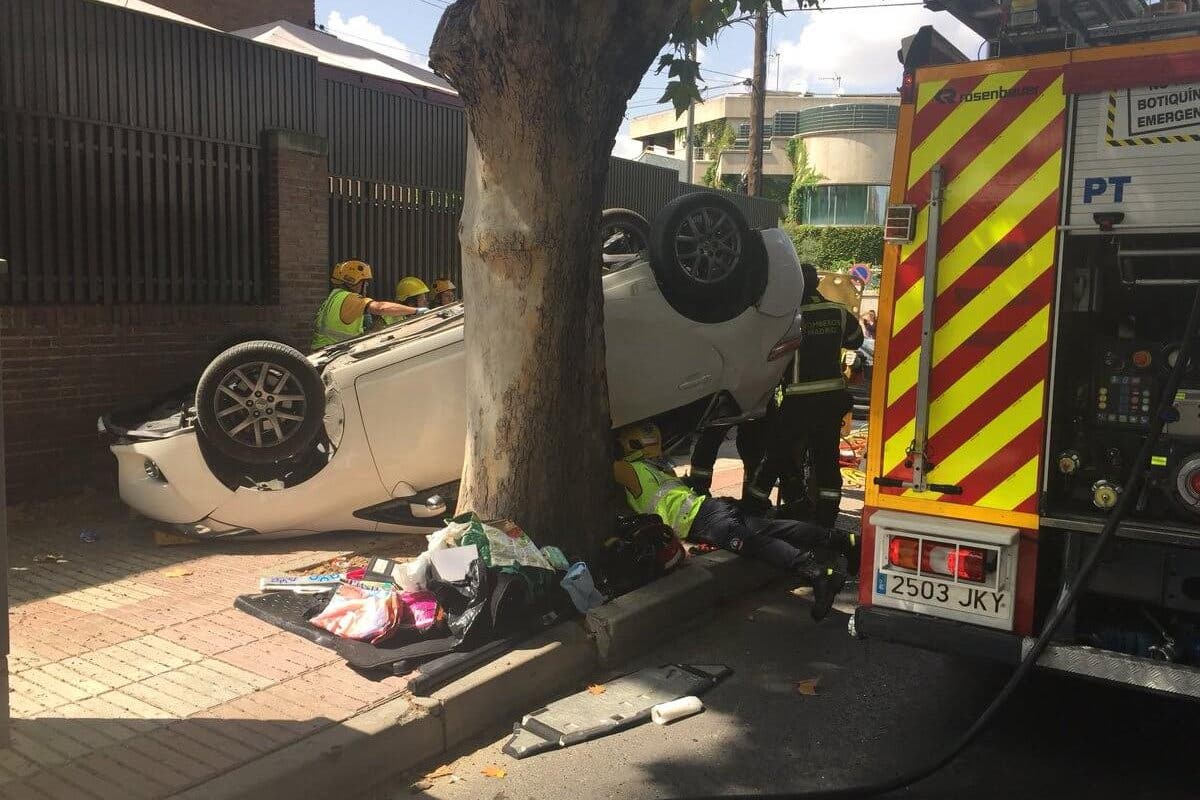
{"points": [[826, 580], [699, 480]]}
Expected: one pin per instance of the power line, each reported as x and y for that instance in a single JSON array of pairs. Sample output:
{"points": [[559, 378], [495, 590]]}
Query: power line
{"points": [[441, 6], [376, 42]]}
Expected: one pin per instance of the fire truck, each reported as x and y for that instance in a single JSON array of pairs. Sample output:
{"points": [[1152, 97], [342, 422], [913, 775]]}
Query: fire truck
{"points": [[1035, 393]]}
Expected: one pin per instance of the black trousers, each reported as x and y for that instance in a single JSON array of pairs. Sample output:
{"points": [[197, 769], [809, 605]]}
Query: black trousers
{"points": [[786, 544], [751, 447], [807, 428]]}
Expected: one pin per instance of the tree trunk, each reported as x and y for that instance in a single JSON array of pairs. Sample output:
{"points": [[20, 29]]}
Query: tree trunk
{"points": [[545, 83], [758, 102]]}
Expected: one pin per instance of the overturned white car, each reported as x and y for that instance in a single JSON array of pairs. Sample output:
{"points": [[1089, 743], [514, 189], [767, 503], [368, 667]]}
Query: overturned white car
{"points": [[368, 434]]}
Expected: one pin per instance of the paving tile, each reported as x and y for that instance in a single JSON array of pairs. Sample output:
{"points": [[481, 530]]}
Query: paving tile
{"points": [[218, 736], [175, 701], [136, 706], [41, 676], [144, 654], [15, 763], [216, 760], [111, 780], [119, 661], [34, 692], [182, 767], [118, 721], [78, 723], [49, 787], [50, 784], [235, 674], [200, 683], [36, 751]]}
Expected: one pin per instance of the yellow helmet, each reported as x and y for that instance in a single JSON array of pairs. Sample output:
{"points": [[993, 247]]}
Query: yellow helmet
{"points": [[407, 287], [350, 273], [443, 285], [645, 438]]}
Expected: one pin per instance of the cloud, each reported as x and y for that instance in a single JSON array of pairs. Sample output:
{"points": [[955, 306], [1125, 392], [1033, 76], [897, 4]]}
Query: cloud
{"points": [[859, 45], [362, 31], [626, 146]]}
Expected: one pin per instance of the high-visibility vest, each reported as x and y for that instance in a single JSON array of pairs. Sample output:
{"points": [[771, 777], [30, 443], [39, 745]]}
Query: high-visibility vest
{"points": [[663, 494], [328, 326], [817, 364]]}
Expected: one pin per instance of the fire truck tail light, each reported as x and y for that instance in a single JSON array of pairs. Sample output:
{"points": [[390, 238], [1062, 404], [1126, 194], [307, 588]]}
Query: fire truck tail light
{"points": [[902, 552], [940, 558]]}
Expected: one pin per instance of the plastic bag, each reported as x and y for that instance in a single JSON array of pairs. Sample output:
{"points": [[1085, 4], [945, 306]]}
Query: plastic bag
{"points": [[357, 613]]}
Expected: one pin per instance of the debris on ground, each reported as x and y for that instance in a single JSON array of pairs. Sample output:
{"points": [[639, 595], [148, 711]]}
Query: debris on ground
{"points": [[177, 572], [50, 558], [494, 771], [88, 536], [808, 687], [596, 688], [624, 703]]}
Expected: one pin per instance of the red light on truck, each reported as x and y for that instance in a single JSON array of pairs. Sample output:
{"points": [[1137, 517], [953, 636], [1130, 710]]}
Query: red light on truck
{"points": [[902, 552], [938, 558]]}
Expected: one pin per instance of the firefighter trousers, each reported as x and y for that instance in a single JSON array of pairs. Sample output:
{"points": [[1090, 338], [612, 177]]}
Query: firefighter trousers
{"points": [[751, 447], [806, 430], [786, 544]]}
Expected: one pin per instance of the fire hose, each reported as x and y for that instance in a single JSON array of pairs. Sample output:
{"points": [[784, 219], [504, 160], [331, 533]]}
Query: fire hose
{"points": [[1066, 600]]}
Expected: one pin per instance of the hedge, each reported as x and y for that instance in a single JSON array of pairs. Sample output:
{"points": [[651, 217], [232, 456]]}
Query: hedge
{"points": [[833, 247]]}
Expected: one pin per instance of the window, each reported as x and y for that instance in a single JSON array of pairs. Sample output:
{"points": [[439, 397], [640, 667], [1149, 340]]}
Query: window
{"points": [[846, 204]]}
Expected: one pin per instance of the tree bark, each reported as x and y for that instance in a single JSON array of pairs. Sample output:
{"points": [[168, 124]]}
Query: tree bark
{"points": [[544, 83], [758, 102]]}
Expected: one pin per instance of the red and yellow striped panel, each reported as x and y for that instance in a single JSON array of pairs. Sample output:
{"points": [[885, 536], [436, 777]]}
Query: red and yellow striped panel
{"points": [[999, 139]]}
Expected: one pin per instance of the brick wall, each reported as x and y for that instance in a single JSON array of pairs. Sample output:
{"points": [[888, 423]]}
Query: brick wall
{"points": [[62, 367], [232, 15]]}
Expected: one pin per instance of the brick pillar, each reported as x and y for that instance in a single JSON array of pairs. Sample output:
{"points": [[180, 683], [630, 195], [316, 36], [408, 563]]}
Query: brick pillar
{"points": [[296, 229]]}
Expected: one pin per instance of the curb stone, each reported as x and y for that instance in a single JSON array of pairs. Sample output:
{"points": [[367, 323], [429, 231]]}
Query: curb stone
{"points": [[400, 734], [365, 749]]}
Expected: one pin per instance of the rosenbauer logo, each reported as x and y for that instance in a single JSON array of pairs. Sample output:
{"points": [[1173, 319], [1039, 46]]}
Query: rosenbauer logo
{"points": [[949, 95]]}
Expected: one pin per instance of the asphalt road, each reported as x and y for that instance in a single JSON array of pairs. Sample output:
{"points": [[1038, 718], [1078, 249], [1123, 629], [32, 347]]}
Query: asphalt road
{"points": [[879, 709]]}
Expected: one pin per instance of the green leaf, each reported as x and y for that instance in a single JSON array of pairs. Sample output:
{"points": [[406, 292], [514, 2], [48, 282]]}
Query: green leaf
{"points": [[680, 95]]}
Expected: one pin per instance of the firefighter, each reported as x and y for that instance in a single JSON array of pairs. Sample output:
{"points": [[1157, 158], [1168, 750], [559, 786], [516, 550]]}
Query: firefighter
{"points": [[443, 292], [751, 446], [410, 291], [808, 426], [651, 487], [340, 317]]}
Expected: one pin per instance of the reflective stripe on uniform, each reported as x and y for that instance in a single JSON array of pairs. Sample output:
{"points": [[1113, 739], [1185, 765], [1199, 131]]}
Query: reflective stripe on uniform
{"points": [[828, 385], [829, 494], [706, 473]]}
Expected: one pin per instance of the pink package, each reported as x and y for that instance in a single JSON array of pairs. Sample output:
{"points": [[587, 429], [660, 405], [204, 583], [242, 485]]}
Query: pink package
{"points": [[353, 613], [424, 609]]}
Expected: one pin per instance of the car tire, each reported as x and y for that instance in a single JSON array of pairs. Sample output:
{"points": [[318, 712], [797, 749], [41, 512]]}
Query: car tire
{"points": [[709, 264], [623, 235], [260, 403]]}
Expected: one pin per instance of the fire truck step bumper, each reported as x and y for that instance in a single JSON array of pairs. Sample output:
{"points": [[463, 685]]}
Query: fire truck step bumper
{"points": [[932, 633], [1162, 677], [972, 641]]}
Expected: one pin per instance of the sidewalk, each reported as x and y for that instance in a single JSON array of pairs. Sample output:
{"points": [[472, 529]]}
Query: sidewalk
{"points": [[132, 675]]}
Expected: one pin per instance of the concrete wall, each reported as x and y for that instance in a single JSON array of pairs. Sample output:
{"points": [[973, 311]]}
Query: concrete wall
{"points": [[232, 15], [853, 156], [64, 366]]}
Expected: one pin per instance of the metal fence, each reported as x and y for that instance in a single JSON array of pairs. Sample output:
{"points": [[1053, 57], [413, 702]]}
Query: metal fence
{"points": [[399, 230], [97, 213], [131, 161]]}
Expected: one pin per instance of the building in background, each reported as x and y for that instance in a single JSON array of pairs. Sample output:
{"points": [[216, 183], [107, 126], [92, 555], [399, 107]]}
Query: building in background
{"points": [[849, 139], [231, 15]]}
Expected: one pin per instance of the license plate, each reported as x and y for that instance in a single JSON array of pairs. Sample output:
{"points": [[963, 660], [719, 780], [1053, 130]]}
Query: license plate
{"points": [[956, 597]]}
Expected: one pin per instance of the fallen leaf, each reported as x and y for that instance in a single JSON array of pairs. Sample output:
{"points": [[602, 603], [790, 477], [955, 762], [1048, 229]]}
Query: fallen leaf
{"points": [[597, 688], [445, 770], [421, 786], [177, 572], [808, 687], [493, 771]]}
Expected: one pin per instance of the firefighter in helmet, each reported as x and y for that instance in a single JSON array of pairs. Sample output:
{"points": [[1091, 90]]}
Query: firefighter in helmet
{"points": [[807, 428], [651, 487], [443, 292], [410, 291], [340, 317]]}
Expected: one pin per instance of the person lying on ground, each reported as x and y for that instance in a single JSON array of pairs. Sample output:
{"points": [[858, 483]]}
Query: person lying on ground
{"points": [[651, 487]]}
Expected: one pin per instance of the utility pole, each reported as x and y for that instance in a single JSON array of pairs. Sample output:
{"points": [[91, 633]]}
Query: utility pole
{"points": [[691, 125], [758, 101]]}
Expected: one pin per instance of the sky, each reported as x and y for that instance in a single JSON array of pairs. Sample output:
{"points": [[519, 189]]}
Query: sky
{"points": [[807, 50]]}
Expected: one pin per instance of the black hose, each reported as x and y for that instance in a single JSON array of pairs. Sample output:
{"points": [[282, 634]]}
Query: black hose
{"points": [[1066, 600]]}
